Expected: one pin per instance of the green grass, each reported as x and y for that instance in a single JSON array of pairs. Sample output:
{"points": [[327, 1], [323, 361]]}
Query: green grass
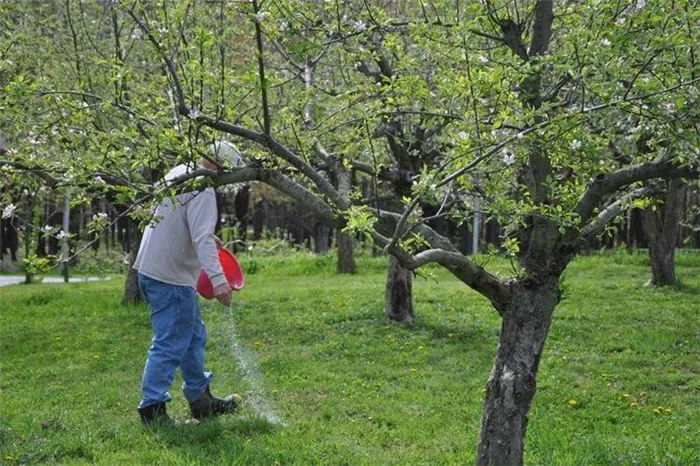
{"points": [[352, 388]]}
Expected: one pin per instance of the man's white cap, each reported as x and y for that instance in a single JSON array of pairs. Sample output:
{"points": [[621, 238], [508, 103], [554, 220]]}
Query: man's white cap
{"points": [[226, 154]]}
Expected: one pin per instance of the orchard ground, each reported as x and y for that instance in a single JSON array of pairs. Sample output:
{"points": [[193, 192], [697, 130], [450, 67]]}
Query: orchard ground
{"points": [[619, 382]]}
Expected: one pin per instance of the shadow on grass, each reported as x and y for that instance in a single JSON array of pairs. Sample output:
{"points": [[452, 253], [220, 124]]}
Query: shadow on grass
{"points": [[680, 288], [472, 336], [212, 430], [215, 441]]}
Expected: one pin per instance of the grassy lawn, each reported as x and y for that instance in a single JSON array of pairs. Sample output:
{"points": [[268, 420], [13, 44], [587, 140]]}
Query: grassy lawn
{"points": [[619, 381]]}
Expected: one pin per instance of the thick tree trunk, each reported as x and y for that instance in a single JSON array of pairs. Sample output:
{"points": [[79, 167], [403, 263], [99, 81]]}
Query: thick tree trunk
{"points": [[662, 227], [663, 264], [132, 293], [511, 386], [346, 253], [398, 300]]}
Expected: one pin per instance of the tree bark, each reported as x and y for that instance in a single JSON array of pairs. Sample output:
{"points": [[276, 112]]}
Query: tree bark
{"points": [[346, 253], [398, 298], [662, 227], [511, 386], [132, 293]]}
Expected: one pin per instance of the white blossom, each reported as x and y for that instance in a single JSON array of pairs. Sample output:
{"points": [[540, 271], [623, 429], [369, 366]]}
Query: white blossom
{"points": [[8, 211], [99, 180], [136, 34], [605, 43], [193, 114], [261, 16], [576, 144], [359, 25], [620, 22], [483, 59], [508, 158], [62, 235], [463, 135]]}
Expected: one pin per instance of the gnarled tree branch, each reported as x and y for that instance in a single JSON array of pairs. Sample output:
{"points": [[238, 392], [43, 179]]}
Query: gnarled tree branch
{"points": [[606, 184], [598, 224]]}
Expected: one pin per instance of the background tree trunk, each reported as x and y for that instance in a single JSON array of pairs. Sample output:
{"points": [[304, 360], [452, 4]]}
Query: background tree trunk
{"points": [[12, 240], [258, 219], [241, 203], [2, 239], [132, 293], [321, 238], [94, 236], [65, 243], [512, 383], [346, 243], [662, 227], [398, 300]]}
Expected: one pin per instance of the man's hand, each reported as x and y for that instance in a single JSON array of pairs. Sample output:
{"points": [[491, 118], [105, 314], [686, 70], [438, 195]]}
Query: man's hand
{"points": [[223, 294]]}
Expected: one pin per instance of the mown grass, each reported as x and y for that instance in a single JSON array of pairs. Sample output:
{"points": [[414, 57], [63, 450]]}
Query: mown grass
{"points": [[619, 381]]}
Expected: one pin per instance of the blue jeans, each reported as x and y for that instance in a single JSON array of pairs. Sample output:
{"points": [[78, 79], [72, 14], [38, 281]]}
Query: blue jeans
{"points": [[179, 336]]}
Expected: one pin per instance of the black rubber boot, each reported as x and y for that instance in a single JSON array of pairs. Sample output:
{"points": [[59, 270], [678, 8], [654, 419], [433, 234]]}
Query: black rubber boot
{"points": [[155, 414], [208, 405]]}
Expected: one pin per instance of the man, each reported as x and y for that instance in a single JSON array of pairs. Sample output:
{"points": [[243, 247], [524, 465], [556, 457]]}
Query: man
{"points": [[172, 252]]}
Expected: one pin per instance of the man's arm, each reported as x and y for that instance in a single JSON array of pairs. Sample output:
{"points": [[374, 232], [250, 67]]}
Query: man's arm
{"points": [[201, 220]]}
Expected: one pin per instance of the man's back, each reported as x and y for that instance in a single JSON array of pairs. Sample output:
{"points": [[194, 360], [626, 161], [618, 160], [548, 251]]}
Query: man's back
{"points": [[181, 241]]}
